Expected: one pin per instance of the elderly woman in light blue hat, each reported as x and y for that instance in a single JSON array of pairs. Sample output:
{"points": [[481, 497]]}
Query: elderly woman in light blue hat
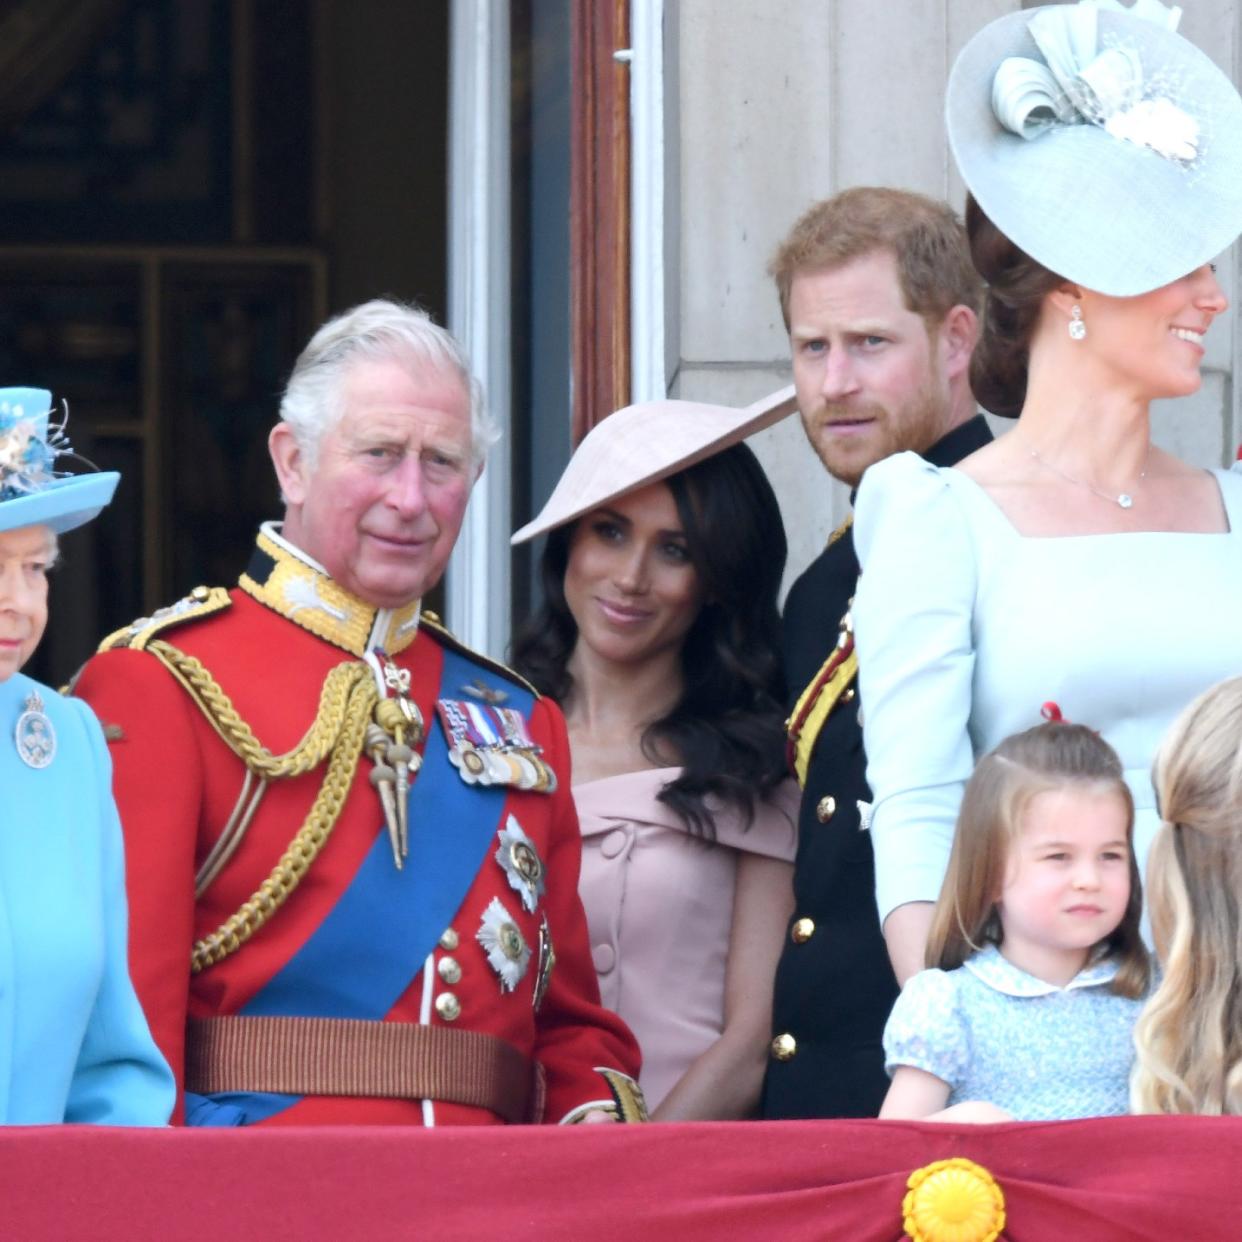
{"points": [[1073, 560], [74, 1045]]}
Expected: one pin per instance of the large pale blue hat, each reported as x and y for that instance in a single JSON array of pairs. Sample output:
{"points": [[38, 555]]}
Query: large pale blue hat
{"points": [[32, 492], [1100, 141]]}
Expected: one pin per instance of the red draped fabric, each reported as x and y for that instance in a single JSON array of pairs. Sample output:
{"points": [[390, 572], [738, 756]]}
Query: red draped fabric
{"points": [[1115, 1178]]}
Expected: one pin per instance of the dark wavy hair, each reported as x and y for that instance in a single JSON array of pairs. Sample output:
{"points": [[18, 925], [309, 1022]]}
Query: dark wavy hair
{"points": [[727, 729], [1016, 288]]}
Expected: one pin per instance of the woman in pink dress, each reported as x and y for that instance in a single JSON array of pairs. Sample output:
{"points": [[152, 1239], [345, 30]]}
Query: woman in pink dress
{"points": [[659, 637]]}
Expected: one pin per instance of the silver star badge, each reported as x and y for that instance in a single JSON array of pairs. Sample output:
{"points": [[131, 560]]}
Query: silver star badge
{"points": [[505, 946], [521, 863]]}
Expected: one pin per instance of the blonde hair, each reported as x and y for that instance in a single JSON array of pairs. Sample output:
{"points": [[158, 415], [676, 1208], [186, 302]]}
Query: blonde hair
{"points": [[1005, 782], [1189, 1035]]}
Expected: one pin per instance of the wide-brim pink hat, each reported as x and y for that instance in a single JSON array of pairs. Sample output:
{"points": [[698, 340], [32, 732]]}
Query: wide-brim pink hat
{"points": [[642, 444]]}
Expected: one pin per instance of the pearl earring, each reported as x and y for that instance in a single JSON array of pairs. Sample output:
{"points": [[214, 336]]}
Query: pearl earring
{"points": [[1077, 329]]}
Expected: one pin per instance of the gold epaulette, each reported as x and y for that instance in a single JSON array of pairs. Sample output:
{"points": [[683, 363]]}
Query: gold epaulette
{"points": [[430, 621], [201, 602]]}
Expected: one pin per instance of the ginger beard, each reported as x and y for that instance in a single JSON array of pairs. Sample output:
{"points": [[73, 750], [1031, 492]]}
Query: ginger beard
{"points": [[849, 436]]}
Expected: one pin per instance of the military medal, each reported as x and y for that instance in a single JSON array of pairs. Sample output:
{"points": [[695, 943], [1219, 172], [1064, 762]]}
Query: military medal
{"points": [[546, 963], [34, 735], [520, 862], [463, 753], [491, 745], [473, 768], [537, 775], [505, 946], [501, 768]]}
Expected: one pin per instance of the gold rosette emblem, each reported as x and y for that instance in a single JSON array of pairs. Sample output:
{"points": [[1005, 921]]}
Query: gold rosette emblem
{"points": [[953, 1201]]}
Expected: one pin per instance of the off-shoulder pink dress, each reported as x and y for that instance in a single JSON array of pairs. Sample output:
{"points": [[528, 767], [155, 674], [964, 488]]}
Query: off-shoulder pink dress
{"points": [[659, 905]]}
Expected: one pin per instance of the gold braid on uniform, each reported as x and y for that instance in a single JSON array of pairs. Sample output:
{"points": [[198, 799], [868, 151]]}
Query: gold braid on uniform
{"points": [[833, 684], [339, 730]]}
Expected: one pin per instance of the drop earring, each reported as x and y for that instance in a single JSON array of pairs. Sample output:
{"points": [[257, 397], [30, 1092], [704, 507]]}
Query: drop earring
{"points": [[1077, 329]]}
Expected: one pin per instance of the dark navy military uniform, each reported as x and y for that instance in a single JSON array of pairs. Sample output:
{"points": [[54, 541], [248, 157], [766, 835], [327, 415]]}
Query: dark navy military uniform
{"points": [[834, 985]]}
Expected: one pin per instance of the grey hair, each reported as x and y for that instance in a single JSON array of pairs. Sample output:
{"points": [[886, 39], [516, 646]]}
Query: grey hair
{"points": [[379, 330]]}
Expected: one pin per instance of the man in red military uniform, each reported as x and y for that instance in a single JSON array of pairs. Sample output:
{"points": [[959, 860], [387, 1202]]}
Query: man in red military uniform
{"points": [[351, 847]]}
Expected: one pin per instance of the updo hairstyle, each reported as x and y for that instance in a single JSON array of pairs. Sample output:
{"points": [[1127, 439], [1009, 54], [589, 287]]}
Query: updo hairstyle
{"points": [[1015, 292]]}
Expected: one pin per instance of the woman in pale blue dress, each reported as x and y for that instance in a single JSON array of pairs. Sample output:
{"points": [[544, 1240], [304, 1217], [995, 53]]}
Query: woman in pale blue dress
{"points": [[1072, 560], [74, 1045]]}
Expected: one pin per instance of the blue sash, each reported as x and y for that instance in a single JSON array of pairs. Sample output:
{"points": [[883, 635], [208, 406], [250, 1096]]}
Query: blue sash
{"points": [[375, 940]]}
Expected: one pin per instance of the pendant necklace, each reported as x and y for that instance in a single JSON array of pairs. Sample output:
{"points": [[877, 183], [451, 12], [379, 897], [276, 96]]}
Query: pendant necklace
{"points": [[1124, 500], [34, 735]]}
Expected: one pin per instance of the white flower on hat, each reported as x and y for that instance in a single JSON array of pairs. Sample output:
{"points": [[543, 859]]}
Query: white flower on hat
{"points": [[25, 457], [13, 447], [1160, 125]]}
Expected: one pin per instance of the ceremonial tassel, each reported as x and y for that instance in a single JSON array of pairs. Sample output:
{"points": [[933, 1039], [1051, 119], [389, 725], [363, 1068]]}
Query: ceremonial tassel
{"points": [[383, 779]]}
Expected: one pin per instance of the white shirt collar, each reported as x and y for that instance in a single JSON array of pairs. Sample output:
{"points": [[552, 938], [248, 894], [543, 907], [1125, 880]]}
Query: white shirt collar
{"points": [[991, 967]]}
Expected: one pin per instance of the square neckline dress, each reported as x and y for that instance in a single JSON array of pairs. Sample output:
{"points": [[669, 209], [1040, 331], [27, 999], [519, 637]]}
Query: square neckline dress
{"points": [[965, 627]]}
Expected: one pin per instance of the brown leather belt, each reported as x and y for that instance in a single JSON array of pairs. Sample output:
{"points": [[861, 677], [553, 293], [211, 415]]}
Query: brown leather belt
{"points": [[348, 1056]]}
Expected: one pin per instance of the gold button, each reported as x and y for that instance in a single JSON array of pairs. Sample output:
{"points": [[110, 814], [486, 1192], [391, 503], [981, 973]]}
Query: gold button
{"points": [[448, 1006], [848, 696], [825, 808], [199, 593], [802, 931], [784, 1046], [449, 970], [449, 941]]}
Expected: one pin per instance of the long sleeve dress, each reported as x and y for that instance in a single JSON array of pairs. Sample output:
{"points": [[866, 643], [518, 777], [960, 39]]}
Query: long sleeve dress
{"points": [[965, 628]]}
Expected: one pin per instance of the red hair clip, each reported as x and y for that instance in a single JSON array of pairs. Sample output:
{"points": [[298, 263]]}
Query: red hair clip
{"points": [[1051, 712]]}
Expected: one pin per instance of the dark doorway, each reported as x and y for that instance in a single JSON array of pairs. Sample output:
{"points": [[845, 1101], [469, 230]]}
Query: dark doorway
{"points": [[186, 191]]}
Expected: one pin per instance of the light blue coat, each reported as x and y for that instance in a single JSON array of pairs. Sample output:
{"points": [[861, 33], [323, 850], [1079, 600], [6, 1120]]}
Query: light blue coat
{"points": [[74, 1045]]}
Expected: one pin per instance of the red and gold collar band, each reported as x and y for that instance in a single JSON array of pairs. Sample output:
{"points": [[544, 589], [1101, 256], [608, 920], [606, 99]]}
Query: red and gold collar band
{"points": [[289, 582]]}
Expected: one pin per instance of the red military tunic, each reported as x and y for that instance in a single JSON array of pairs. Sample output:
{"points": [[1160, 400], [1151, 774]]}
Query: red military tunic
{"points": [[177, 783]]}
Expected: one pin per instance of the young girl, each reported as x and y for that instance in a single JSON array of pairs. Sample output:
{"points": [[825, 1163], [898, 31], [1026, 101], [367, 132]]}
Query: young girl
{"points": [[1189, 1037], [1036, 962]]}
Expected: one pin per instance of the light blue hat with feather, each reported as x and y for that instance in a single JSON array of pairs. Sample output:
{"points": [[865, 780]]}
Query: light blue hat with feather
{"points": [[32, 491]]}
